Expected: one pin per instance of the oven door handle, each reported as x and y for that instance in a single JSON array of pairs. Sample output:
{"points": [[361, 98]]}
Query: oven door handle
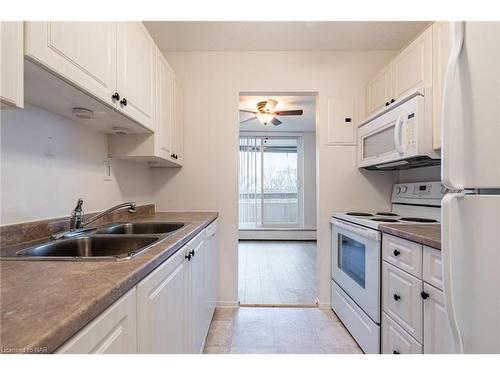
{"points": [[357, 229]]}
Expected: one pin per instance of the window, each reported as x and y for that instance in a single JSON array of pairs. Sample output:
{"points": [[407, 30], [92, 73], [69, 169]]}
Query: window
{"points": [[270, 182]]}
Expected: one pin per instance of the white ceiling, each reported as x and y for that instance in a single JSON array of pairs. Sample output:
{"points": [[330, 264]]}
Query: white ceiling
{"points": [[282, 35], [304, 123]]}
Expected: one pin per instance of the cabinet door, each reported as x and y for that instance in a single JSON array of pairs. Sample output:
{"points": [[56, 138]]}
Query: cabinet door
{"points": [[161, 308], [401, 299], [164, 111], [11, 65], [179, 122], [136, 72], [112, 332], [440, 55], [437, 333], [210, 274], [197, 294], [412, 68], [433, 267], [379, 90], [83, 53]]}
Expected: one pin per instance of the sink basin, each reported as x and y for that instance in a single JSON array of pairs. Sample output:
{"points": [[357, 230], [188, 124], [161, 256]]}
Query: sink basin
{"points": [[141, 228], [90, 247]]}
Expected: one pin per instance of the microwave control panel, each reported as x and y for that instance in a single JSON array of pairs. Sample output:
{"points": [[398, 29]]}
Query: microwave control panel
{"points": [[410, 133]]}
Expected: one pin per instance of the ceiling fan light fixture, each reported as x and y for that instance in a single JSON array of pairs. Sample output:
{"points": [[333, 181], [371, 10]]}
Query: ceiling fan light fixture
{"points": [[265, 118]]}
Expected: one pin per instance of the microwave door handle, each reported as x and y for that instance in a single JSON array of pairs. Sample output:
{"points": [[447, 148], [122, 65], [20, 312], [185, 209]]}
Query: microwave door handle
{"points": [[397, 134]]}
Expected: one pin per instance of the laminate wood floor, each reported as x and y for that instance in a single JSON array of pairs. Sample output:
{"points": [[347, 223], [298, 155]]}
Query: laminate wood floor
{"points": [[277, 272], [276, 330]]}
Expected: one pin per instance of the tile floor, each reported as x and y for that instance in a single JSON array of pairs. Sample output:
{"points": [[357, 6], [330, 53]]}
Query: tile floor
{"points": [[273, 330], [277, 272]]}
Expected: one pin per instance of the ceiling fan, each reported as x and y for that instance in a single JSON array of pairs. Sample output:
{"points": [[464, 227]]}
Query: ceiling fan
{"points": [[265, 113]]}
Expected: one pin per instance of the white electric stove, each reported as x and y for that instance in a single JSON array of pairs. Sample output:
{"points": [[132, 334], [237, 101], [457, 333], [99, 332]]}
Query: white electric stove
{"points": [[356, 256]]}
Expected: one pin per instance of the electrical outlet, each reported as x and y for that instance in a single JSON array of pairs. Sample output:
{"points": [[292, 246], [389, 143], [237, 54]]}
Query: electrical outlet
{"points": [[107, 171]]}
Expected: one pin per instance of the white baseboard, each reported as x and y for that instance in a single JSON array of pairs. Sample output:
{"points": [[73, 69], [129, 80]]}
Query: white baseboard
{"points": [[323, 305], [227, 304], [274, 234]]}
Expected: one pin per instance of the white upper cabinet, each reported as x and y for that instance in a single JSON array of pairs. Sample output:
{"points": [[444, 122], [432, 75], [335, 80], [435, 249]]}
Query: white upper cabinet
{"points": [[136, 72], [11, 65], [164, 107], [178, 127], [83, 53], [412, 68], [440, 55], [379, 90]]}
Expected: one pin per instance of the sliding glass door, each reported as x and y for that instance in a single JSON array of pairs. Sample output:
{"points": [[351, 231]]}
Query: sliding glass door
{"points": [[270, 182]]}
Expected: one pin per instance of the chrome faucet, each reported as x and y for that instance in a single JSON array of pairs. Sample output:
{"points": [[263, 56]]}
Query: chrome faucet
{"points": [[77, 223]]}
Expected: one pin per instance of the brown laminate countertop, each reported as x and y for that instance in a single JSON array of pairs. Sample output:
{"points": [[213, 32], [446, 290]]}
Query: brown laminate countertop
{"points": [[426, 234], [44, 303]]}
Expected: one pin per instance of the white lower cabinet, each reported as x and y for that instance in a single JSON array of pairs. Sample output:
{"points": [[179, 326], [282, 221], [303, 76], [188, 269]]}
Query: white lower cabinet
{"points": [[168, 312], [395, 340], [437, 332], [414, 318], [162, 306], [112, 332]]}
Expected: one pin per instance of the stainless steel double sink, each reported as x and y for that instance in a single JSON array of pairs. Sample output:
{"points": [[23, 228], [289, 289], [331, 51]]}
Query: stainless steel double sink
{"points": [[116, 241]]}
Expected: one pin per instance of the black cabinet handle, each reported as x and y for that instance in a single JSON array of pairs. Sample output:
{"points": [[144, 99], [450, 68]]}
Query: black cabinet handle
{"points": [[188, 257], [387, 104], [396, 252], [123, 102], [395, 352], [191, 253], [424, 294], [393, 100], [397, 297], [115, 96]]}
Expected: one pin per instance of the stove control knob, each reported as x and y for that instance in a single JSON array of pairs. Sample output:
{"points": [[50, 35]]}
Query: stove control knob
{"points": [[404, 189], [398, 190]]}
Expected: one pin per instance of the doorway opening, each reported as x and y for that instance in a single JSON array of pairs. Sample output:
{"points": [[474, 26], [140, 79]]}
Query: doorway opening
{"points": [[277, 200]]}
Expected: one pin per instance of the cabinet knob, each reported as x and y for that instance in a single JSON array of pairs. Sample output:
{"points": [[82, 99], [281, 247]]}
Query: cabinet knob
{"points": [[188, 257], [387, 104], [397, 297], [395, 352], [191, 253], [393, 100], [123, 102], [396, 252], [115, 96], [424, 294]]}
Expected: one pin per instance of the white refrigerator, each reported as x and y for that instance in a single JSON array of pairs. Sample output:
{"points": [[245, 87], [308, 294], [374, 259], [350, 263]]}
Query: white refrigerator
{"points": [[471, 174]]}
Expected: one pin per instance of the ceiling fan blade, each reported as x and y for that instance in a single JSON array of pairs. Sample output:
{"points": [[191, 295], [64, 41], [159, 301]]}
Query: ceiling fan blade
{"points": [[296, 112], [270, 104], [248, 111], [275, 121], [248, 119]]}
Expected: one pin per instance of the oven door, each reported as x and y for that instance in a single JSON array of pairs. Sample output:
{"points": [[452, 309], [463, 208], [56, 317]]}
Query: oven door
{"points": [[356, 264]]}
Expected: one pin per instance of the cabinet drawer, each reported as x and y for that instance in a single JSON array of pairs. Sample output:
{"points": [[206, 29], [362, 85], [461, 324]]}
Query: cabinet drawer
{"points": [[402, 300], [395, 340], [433, 267], [405, 254]]}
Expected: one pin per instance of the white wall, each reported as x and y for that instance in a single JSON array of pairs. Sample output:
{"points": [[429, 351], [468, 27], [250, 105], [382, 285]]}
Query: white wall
{"points": [[309, 139], [212, 82], [36, 185]]}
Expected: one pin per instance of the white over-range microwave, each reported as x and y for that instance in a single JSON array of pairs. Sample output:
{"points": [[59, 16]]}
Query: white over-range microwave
{"points": [[400, 137]]}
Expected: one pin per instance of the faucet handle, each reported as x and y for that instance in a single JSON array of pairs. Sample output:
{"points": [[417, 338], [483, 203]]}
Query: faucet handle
{"points": [[132, 209], [77, 216]]}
